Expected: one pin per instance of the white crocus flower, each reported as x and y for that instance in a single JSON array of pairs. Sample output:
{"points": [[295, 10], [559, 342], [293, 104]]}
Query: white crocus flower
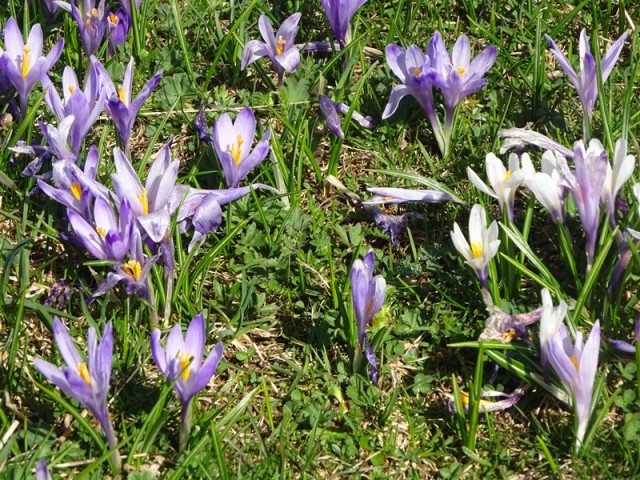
{"points": [[503, 182], [483, 243], [623, 166], [548, 185]]}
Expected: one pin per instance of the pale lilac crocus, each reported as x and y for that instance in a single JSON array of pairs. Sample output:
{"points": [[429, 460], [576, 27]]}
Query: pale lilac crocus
{"points": [[503, 182], [617, 175], [181, 362], [339, 14], [232, 142], [330, 109], [411, 67], [585, 82], [85, 105], [85, 380], [625, 346], [576, 366], [281, 49], [586, 187], [23, 63], [122, 108], [482, 245], [42, 472], [551, 317], [367, 295], [457, 76]]}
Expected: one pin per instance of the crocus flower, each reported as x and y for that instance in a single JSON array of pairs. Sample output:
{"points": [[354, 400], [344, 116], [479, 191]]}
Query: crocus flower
{"points": [[576, 366], [586, 187], [586, 83], [281, 49], [57, 138], [330, 109], [503, 182], [483, 245], [551, 317], [92, 24], [508, 400], [518, 138], [367, 295], [118, 28], [51, 6], [181, 362], [85, 380], [623, 166], [548, 185], [120, 106], [390, 195], [626, 346], [84, 105], [503, 326], [42, 472], [339, 13], [232, 142], [23, 63]]}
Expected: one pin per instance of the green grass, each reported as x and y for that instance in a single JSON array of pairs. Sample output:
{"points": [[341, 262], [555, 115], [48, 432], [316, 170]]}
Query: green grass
{"points": [[274, 278]]}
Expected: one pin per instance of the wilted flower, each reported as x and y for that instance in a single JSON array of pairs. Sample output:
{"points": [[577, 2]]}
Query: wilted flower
{"points": [[23, 63], [503, 326], [281, 49], [576, 366], [86, 381], [586, 83], [232, 142], [390, 195], [339, 13], [120, 106], [330, 109], [508, 400], [182, 364], [518, 138], [504, 182], [367, 295], [483, 244]]}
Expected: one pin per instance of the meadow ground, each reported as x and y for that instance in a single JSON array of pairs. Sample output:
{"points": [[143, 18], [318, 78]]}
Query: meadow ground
{"points": [[273, 280]]}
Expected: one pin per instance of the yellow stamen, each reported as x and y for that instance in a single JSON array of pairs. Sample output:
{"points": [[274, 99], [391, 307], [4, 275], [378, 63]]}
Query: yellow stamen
{"points": [[574, 360], [83, 371], [476, 250], [26, 60], [133, 269], [71, 88], [509, 334], [280, 46], [185, 361], [122, 94], [113, 19], [461, 71], [236, 151], [417, 72], [93, 13], [101, 231], [144, 201], [76, 190], [507, 175]]}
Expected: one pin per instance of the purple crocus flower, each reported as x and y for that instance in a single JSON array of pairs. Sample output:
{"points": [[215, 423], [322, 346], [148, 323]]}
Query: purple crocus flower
{"points": [[330, 109], [232, 142], [42, 472], [457, 76], [120, 106], [23, 63], [57, 139], [551, 317], [586, 83], [92, 23], [85, 105], [51, 6], [576, 366], [107, 238], [118, 28], [339, 13], [367, 294], [281, 49], [181, 362], [627, 347], [85, 380]]}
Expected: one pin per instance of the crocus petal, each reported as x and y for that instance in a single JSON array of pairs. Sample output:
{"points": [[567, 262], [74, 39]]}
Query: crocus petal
{"points": [[397, 94], [203, 376], [253, 50]]}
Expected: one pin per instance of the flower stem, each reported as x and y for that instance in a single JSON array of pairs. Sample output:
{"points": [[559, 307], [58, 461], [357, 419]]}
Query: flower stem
{"points": [[357, 358], [185, 426], [113, 445]]}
